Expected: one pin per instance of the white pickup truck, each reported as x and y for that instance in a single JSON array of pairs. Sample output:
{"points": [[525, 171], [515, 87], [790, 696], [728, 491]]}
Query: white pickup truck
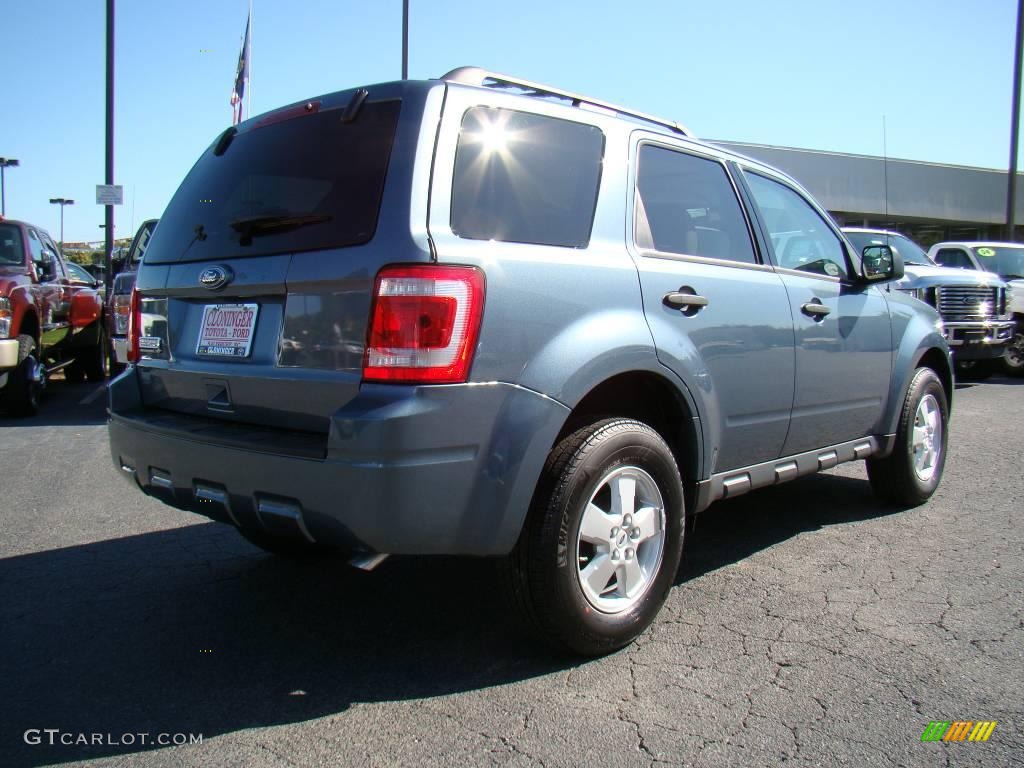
{"points": [[1005, 260]]}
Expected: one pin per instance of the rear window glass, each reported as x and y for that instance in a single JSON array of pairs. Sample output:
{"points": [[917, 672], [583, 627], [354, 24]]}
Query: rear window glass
{"points": [[304, 183], [525, 178], [12, 248]]}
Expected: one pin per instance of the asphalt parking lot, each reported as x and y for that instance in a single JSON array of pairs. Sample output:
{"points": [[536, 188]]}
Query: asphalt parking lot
{"points": [[809, 626]]}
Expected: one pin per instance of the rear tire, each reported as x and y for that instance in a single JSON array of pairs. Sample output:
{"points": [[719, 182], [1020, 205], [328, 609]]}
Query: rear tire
{"points": [[910, 474], [603, 539], [92, 359], [27, 381]]}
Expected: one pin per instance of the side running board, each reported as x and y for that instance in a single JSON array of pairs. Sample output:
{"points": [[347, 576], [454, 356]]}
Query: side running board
{"points": [[736, 482]]}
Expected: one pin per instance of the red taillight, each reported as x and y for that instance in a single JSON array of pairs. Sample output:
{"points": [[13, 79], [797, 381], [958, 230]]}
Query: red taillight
{"points": [[424, 324], [134, 328]]}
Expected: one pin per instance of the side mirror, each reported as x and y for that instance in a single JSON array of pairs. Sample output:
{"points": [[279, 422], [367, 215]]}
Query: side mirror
{"points": [[880, 264], [44, 267]]}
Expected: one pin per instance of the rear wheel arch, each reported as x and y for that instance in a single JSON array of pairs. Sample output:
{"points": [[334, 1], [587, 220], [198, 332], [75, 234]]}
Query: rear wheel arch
{"points": [[656, 401], [590, 575]]}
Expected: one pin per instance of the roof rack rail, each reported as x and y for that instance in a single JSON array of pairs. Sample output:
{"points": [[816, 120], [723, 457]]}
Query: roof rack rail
{"points": [[483, 78]]}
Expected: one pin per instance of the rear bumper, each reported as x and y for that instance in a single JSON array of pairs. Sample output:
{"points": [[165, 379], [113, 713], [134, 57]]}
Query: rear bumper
{"points": [[407, 470], [978, 341]]}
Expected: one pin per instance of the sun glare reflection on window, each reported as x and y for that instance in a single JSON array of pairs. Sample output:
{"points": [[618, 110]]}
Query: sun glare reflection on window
{"points": [[493, 134]]}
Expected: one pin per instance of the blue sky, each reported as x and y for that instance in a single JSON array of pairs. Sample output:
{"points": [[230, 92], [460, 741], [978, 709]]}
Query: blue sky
{"points": [[803, 73]]}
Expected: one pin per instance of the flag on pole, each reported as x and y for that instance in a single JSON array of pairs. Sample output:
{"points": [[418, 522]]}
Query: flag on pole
{"points": [[241, 76]]}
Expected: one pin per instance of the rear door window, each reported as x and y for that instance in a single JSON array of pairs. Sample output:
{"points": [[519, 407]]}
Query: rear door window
{"points": [[525, 178], [292, 182], [686, 204]]}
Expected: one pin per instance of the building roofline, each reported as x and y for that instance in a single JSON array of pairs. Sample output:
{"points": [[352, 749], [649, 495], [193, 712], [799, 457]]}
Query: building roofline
{"points": [[856, 156]]}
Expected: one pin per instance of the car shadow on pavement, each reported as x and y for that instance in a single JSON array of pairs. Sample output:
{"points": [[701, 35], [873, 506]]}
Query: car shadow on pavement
{"points": [[191, 630], [64, 404], [1005, 381], [730, 531], [998, 379]]}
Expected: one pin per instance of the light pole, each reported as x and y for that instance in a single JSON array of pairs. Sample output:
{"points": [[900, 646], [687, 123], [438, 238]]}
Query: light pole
{"points": [[1011, 180], [61, 201], [405, 39], [108, 219], [5, 162]]}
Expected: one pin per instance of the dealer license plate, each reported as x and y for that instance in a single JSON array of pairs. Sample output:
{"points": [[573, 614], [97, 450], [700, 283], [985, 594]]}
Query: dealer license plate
{"points": [[227, 330]]}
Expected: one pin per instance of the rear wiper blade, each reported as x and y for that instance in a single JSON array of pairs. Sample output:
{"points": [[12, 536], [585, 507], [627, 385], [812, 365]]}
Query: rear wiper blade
{"points": [[255, 226]]}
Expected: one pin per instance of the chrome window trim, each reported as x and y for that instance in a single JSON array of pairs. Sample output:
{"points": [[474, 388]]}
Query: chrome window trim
{"points": [[815, 275], [670, 256]]}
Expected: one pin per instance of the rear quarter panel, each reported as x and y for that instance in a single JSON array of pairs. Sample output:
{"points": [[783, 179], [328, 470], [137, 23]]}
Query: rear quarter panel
{"points": [[558, 321]]}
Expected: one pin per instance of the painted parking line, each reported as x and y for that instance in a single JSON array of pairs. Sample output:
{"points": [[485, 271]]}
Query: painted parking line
{"points": [[101, 389]]}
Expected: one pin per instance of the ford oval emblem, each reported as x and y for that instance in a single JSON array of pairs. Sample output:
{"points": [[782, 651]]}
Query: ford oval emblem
{"points": [[215, 277]]}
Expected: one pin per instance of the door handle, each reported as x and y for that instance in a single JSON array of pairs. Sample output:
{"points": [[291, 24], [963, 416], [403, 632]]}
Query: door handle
{"points": [[685, 301], [815, 309]]}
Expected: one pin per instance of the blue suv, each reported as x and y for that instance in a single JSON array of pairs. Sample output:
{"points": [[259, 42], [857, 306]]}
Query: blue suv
{"points": [[483, 316]]}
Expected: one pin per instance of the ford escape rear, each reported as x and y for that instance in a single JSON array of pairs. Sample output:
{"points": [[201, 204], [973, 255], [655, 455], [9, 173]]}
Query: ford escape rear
{"points": [[482, 316]]}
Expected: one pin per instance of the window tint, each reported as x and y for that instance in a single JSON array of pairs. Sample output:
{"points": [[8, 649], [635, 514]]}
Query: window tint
{"points": [[525, 178], [953, 257], [800, 237], [296, 183], [686, 204], [12, 249]]}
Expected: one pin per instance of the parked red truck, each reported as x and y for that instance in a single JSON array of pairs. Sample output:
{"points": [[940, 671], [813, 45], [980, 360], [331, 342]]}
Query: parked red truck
{"points": [[49, 320]]}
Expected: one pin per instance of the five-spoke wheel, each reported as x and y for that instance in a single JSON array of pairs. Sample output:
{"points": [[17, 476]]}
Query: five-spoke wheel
{"points": [[621, 539], [909, 475], [603, 538]]}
